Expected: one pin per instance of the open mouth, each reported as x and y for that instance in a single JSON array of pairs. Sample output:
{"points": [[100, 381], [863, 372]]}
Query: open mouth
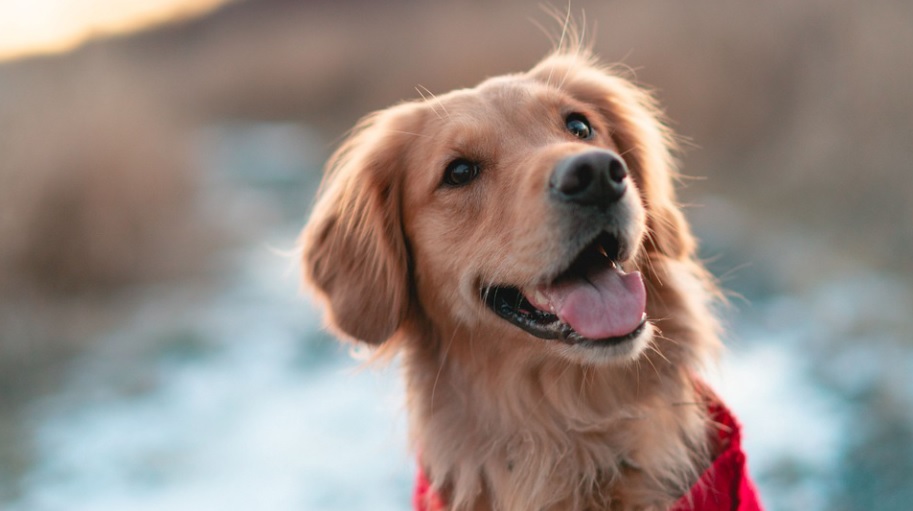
{"points": [[592, 302]]}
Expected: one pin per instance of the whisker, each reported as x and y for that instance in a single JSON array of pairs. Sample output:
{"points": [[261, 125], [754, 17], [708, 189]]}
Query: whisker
{"points": [[649, 260], [435, 98], [627, 151], [578, 45], [650, 361], [440, 369], [433, 108], [565, 26], [670, 340], [656, 350], [589, 373], [423, 135]]}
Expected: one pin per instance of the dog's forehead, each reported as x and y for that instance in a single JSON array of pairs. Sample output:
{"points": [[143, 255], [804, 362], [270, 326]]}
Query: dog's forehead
{"points": [[502, 108], [503, 98]]}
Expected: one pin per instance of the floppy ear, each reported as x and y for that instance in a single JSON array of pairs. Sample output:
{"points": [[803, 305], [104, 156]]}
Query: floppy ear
{"points": [[643, 140], [354, 251]]}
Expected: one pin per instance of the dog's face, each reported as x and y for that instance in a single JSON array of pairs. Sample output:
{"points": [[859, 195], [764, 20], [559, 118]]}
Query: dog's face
{"points": [[522, 211]]}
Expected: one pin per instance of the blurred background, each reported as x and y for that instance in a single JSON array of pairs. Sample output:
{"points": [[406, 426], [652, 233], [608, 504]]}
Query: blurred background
{"points": [[156, 163]]}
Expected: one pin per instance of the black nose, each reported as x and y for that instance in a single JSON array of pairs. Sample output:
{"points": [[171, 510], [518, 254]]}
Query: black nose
{"points": [[593, 178]]}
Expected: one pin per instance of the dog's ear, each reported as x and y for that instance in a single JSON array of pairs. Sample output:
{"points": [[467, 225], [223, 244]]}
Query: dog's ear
{"points": [[354, 252], [643, 140]]}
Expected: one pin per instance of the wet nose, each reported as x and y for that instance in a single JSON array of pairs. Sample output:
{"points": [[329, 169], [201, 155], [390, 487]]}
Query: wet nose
{"points": [[593, 178]]}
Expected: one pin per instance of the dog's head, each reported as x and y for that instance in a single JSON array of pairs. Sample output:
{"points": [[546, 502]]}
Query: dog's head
{"points": [[532, 208]]}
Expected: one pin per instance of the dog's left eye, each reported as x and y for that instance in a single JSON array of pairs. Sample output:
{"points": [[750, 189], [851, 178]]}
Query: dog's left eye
{"points": [[579, 126], [460, 172]]}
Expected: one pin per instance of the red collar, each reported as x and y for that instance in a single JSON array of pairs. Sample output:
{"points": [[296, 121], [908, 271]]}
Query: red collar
{"points": [[725, 486]]}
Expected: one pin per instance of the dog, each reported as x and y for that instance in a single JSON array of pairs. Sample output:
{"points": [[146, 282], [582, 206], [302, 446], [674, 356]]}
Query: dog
{"points": [[520, 247]]}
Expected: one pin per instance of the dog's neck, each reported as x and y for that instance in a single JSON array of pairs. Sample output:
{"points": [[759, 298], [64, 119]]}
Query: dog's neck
{"points": [[498, 432]]}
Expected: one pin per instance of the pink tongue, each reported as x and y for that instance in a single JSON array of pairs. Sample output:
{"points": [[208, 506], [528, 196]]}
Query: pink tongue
{"points": [[608, 304]]}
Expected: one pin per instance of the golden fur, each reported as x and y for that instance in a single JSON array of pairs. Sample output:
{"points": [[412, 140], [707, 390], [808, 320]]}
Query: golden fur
{"points": [[503, 420]]}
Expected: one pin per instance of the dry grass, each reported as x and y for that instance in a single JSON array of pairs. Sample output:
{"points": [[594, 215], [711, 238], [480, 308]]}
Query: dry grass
{"points": [[93, 198]]}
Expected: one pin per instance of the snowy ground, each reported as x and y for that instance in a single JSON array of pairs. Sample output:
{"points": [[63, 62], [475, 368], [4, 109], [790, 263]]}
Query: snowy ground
{"points": [[244, 406], [231, 398]]}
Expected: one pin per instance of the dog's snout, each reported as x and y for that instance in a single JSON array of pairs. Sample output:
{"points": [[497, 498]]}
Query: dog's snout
{"points": [[593, 178]]}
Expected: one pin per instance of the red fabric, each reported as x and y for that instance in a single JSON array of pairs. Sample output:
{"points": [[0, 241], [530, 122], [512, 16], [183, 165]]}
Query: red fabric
{"points": [[725, 486], [424, 498]]}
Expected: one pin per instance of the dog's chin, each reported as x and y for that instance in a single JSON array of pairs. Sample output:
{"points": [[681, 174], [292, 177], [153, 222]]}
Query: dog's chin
{"points": [[590, 311], [598, 353]]}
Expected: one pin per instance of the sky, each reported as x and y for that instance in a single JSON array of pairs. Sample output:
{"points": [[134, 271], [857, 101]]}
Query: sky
{"points": [[29, 27]]}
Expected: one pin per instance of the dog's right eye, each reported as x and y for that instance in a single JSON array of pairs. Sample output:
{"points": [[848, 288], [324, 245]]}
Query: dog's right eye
{"points": [[579, 126], [460, 172]]}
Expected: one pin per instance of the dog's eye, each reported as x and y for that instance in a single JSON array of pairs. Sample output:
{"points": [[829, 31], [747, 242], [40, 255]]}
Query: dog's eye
{"points": [[460, 172], [579, 126]]}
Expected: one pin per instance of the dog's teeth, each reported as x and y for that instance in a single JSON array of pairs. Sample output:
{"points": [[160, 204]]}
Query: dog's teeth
{"points": [[539, 298], [602, 251]]}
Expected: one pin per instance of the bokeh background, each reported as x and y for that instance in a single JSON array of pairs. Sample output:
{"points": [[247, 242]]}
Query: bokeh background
{"points": [[156, 163]]}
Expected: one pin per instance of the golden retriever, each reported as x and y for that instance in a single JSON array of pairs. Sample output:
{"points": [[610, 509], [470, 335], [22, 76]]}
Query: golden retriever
{"points": [[519, 245]]}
